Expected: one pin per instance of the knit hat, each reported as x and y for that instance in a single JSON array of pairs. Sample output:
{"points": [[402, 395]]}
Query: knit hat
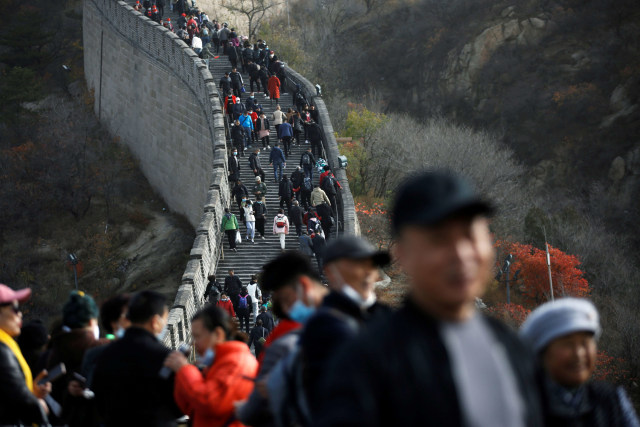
{"points": [[79, 310], [559, 318]]}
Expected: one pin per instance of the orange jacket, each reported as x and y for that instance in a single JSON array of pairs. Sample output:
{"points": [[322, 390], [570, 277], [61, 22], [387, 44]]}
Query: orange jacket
{"points": [[227, 306], [208, 400], [274, 87]]}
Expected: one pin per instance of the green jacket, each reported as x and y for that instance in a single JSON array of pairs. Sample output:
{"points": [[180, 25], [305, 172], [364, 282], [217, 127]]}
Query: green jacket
{"points": [[229, 222], [262, 187]]}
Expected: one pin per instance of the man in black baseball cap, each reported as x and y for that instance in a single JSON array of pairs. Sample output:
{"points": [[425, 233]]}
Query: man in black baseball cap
{"points": [[452, 363], [352, 266]]}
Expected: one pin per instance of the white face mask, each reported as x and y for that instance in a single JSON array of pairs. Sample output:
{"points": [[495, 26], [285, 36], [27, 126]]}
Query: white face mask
{"points": [[352, 294], [96, 331]]}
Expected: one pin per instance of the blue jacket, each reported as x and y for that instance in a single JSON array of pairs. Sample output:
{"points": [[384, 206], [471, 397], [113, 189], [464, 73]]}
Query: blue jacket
{"points": [[245, 121], [285, 129], [277, 156]]}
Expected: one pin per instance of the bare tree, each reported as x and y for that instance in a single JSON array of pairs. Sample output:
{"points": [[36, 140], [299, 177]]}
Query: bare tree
{"points": [[254, 10]]}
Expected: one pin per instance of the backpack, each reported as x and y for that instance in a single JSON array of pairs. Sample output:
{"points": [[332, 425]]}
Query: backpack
{"points": [[280, 223], [329, 185], [307, 184], [242, 302], [306, 159]]}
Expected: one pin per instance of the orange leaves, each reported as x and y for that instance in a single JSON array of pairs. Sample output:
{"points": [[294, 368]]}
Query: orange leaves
{"points": [[567, 278], [374, 223]]}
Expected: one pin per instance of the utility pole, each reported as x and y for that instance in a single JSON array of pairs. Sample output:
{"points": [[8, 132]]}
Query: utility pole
{"points": [[546, 247]]}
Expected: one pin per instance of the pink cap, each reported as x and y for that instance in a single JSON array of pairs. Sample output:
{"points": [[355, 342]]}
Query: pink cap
{"points": [[7, 294]]}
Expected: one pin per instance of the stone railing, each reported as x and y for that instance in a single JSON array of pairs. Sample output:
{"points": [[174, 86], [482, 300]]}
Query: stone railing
{"points": [[121, 45], [348, 217]]}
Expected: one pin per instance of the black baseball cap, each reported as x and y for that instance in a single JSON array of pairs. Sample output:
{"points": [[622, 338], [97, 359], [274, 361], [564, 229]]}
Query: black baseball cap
{"points": [[352, 247], [431, 197]]}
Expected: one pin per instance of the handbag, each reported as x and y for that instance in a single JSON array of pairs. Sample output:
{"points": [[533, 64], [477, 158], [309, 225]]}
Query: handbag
{"points": [[262, 339]]}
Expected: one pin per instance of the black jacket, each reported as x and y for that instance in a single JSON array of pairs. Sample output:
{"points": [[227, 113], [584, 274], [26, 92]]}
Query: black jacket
{"points": [[225, 84], [297, 177], [236, 79], [253, 71], [284, 189], [312, 159], [237, 134], [295, 215], [232, 286], [240, 191], [259, 124], [17, 404], [337, 322], [406, 348], [234, 166], [325, 213], [259, 210], [313, 130], [254, 337], [254, 162], [246, 310], [126, 381], [267, 321]]}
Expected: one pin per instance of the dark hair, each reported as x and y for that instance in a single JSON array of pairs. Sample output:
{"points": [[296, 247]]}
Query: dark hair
{"points": [[144, 305], [213, 317], [212, 277], [111, 310], [79, 309], [285, 270], [243, 290], [280, 211], [259, 322]]}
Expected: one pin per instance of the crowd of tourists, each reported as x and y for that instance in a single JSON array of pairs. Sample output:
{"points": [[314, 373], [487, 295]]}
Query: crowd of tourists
{"points": [[324, 354]]}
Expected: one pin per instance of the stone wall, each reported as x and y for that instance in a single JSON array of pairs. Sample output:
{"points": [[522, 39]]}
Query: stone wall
{"points": [[153, 92], [330, 146]]}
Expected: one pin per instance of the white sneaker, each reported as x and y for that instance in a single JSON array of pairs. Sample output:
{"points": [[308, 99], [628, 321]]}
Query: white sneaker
{"points": [[306, 141]]}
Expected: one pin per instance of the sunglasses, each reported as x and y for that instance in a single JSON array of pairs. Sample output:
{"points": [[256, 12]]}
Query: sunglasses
{"points": [[14, 306]]}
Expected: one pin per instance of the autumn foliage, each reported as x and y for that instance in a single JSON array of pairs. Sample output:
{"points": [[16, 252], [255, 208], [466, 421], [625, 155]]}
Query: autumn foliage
{"points": [[374, 223], [533, 278]]}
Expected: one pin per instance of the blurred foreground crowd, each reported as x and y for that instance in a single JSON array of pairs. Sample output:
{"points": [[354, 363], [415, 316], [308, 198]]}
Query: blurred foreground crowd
{"points": [[334, 356]]}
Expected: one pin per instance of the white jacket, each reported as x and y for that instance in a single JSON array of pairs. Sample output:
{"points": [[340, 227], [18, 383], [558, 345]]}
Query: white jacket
{"points": [[248, 214]]}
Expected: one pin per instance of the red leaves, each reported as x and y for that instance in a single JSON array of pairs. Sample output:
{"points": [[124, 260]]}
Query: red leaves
{"points": [[567, 278], [511, 314]]}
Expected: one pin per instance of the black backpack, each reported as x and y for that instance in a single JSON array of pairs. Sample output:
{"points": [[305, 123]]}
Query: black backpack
{"points": [[329, 185], [306, 159]]}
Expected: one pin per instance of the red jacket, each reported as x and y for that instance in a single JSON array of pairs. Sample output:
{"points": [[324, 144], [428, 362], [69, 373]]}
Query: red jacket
{"points": [[274, 87], [284, 327], [227, 306], [325, 174], [208, 400]]}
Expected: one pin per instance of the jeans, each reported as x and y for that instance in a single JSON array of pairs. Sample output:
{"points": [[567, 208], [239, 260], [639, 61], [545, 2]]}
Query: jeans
{"points": [[251, 229], [277, 171], [247, 136], [308, 171]]}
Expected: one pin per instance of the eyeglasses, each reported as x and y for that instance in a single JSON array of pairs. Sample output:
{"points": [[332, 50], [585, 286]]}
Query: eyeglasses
{"points": [[14, 306]]}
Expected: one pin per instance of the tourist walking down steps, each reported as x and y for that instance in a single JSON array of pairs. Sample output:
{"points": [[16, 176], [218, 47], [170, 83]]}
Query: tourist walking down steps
{"points": [[230, 227], [281, 227]]}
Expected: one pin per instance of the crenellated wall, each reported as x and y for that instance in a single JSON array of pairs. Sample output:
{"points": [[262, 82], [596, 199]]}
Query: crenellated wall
{"points": [[153, 92]]}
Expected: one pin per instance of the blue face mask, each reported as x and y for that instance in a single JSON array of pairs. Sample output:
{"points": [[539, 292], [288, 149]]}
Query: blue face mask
{"points": [[207, 358], [120, 333], [299, 312]]}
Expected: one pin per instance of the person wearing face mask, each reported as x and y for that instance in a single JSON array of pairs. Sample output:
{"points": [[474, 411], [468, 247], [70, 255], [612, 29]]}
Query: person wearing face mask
{"points": [[79, 333], [563, 335], [296, 292], [229, 371], [352, 267], [129, 390], [113, 317]]}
